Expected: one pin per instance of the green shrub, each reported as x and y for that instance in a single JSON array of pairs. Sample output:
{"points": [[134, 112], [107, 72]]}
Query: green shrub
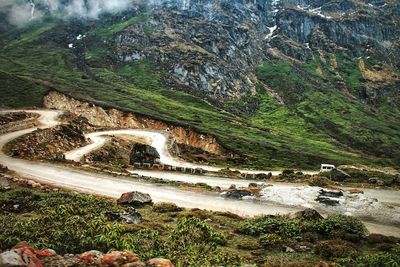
{"points": [[319, 181], [194, 243], [271, 240], [381, 259], [283, 226], [341, 226]]}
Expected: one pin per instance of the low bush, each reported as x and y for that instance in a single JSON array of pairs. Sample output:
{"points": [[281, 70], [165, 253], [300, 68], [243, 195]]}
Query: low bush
{"points": [[163, 207], [281, 225], [319, 181], [271, 240], [335, 249], [341, 226], [381, 259]]}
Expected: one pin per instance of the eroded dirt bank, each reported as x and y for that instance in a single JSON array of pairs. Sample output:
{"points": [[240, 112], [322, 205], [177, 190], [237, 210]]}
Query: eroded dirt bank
{"points": [[112, 117]]}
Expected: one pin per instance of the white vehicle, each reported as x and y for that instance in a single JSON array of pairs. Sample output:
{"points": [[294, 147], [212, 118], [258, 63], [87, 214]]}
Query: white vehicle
{"points": [[327, 167]]}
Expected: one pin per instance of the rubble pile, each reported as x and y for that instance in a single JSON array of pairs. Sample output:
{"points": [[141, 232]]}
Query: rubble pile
{"points": [[25, 255], [51, 144]]}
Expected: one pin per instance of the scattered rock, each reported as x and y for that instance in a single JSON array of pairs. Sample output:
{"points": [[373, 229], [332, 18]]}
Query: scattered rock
{"points": [[289, 250], [238, 194], [118, 258], [263, 176], [327, 193], [338, 175], [232, 187], [373, 180], [328, 201], [159, 263], [135, 199], [131, 215], [356, 191], [308, 214], [254, 185], [23, 255], [3, 169], [92, 257], [4, 184], [322, 264]]}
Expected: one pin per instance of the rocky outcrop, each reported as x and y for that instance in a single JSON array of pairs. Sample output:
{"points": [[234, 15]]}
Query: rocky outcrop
{"points": [[115, 118], [24, 255]]}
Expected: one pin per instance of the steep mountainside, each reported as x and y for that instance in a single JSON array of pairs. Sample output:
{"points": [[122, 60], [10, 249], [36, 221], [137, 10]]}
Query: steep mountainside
{"points": [[283, 83]]}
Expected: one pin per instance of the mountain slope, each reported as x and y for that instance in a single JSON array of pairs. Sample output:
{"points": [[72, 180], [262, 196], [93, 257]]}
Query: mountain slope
{"points": [[280, 83]]}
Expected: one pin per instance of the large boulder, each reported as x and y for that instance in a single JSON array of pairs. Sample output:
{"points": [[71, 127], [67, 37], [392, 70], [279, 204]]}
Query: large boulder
{"points": [[338, 175], [144, 154], [135, 199], [238, 193], [131, 215]]}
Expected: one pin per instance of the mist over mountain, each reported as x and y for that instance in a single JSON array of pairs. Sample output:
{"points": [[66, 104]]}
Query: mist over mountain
{"points": [[21, 12]]}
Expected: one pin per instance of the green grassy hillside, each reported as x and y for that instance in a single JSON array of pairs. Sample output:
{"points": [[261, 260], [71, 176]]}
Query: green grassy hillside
{"points": [[317, 124]]}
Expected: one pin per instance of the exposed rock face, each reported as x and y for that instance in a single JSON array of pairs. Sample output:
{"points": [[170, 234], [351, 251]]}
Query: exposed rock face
{"points": [[99, 116], [135, 199], [144, 154], [210, 48]]}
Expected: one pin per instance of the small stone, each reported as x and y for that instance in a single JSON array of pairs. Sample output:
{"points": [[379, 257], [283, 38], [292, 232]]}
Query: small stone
{"points": [[289, 250], [308, 214], [322, 264], [159, 262], [237, 194], [118, 258], [356, 191], [92, 257]]}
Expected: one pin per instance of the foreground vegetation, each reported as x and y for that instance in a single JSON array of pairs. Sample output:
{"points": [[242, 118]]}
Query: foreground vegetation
{"points": [[72, 223]]}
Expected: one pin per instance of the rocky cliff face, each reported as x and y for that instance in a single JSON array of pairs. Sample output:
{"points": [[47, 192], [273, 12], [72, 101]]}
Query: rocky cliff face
{"points": [[211, 47]]}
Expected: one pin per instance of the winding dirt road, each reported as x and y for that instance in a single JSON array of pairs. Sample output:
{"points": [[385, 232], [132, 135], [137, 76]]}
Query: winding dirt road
{"points": [[158, 141], [108, 185]]}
